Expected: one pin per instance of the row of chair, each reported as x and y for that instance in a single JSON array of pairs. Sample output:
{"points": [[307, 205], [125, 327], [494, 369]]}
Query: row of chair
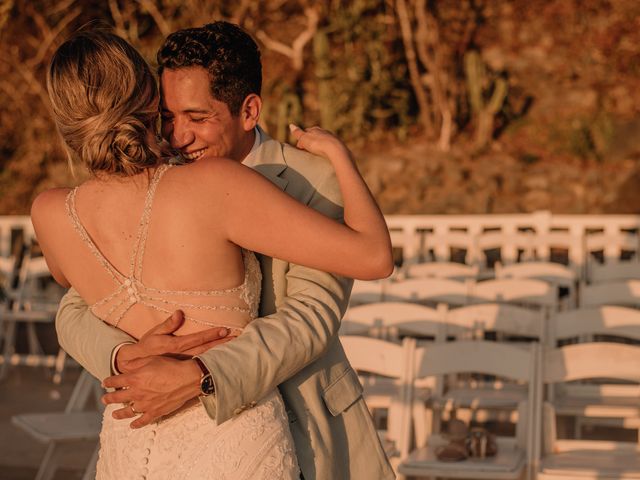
{"points": [[535, 450], [28, 297], [534, 285], [579, 246], [400, 319]]}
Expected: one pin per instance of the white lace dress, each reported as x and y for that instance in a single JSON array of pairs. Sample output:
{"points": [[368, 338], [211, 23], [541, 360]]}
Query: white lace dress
{"points": [[189, 445]]}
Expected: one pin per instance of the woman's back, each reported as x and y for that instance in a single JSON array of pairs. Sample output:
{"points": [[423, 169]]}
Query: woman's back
{"points": [[137, 250]]}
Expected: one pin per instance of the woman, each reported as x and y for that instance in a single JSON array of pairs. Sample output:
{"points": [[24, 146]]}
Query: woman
{"points": [[141, 239]]}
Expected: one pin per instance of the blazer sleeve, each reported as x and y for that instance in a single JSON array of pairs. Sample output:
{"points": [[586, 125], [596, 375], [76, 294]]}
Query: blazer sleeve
{"points": [[85, 337], [274, 348]]}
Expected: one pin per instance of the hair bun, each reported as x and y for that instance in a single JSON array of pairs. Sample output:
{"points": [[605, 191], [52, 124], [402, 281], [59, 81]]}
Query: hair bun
{"points": [[104, 99], [129, 145]]}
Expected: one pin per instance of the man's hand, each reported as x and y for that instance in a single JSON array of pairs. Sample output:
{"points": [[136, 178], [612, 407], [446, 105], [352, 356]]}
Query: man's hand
{"points": [[156, 386], [161, 341]]}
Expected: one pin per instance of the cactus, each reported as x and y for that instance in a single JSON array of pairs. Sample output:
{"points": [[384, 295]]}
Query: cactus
{"points": [[483, 111]]}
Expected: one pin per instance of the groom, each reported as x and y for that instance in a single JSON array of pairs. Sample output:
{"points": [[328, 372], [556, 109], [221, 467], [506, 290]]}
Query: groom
{"points": [[211, 79]]}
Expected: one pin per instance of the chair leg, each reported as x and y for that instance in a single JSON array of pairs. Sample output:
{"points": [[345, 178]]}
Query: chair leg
{"points": [[48, 465], [34, 344], [61, 358], [422, 423], [9, 347]]}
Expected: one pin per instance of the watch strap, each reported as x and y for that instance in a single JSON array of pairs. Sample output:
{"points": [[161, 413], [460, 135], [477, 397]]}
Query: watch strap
{"points": [[207, 387]]}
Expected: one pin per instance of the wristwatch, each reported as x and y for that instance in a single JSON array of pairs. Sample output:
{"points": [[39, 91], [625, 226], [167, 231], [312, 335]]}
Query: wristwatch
{"points": [[207, 387]]}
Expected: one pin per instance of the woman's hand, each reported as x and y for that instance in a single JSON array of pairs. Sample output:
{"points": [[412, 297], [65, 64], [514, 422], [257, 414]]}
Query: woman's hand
{"points": [[319, 141]]}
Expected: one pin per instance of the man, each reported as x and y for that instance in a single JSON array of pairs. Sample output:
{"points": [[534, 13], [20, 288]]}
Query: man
{"points": [[211, 80]]}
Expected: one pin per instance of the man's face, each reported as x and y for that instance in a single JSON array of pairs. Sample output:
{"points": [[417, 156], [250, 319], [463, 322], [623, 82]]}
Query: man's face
{"points": [[197, 124]]}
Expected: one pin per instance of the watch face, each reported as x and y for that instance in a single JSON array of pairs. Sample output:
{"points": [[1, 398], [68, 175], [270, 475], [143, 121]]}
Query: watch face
{"points": [[206, 385]]}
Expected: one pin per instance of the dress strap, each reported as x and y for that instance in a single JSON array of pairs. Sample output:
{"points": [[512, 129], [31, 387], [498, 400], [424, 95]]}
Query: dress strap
{"points": [[137, 255], [70, 204]]}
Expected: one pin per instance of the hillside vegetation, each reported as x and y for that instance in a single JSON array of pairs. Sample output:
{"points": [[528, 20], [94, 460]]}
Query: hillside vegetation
{"points": [[466, 106]]}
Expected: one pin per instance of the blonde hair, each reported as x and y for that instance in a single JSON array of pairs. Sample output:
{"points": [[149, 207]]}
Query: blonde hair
{"points": [[104, 100]]}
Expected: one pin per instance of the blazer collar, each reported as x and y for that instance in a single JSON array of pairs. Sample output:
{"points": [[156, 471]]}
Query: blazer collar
{"points": [[269, 160]]}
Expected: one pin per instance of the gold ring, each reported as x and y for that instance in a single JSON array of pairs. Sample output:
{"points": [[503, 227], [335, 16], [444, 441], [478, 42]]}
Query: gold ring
{"points": [[133, 409]]}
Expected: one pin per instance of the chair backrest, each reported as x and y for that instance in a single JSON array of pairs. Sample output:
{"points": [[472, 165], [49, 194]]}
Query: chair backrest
{"points": [[626, 293], [373, 355], [611, 244], [444, 243], [428, 290], [393, 319], [614, 271], [606, 320], [389, 360], [508, 244], [514, 362], [450, 270], [473, 321], [364, 292], [516, 290], [550, 272], [598, 360], [591, 360]]}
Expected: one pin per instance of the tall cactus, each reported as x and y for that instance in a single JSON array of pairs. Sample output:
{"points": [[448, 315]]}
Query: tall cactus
{"points": [[483, 111]]}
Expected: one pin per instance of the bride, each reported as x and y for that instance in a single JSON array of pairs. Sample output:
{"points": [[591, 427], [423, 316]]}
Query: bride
{"points": [[142, 238]]}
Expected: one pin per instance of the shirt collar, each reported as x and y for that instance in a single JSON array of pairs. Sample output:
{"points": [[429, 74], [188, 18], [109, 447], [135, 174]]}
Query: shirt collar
{"points": [[250, 159]]}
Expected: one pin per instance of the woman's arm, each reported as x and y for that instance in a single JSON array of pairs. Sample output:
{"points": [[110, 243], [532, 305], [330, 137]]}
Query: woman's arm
{"points": [[260, 217]]}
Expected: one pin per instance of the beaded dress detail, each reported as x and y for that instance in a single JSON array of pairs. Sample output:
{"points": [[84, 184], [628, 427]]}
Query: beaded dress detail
{"points": [[196, 304], [256, 444]]}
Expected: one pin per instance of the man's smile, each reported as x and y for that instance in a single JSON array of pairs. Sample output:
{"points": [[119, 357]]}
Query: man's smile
{"points": [[194, 155]]}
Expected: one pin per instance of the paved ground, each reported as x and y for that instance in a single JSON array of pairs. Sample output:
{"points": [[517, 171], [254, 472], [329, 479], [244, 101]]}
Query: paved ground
{"points": [[28, 389]]}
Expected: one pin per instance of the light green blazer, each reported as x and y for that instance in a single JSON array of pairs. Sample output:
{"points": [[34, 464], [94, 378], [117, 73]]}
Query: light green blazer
{"points": [[293, 345]]}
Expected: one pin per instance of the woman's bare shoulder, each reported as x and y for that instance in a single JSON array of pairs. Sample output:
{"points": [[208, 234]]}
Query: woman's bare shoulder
{"points": [[49, 201], [213, 171]]}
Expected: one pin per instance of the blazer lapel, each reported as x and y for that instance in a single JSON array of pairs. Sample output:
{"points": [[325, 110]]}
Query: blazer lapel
{"points": [[269, 160]]}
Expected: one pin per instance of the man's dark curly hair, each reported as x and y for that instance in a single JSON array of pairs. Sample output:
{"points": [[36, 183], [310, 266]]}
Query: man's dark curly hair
{"points": [[226, 51]]}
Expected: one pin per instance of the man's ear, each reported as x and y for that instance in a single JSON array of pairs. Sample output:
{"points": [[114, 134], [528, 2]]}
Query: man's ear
{"points": [[250, 112]]}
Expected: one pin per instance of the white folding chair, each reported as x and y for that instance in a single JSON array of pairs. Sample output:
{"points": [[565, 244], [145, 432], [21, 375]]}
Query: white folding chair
{"points": [[386, 386], [364, 292], [503, 360], [596, 403], [522, 291], [449, 270], [509, 245], [481, 399], [560, 276], [614, 271], [609, 246], [392, 320], [27, 305], [623, 293], [428, 291], [473, 321], [443, 245], [585, 459], [65, 429]]}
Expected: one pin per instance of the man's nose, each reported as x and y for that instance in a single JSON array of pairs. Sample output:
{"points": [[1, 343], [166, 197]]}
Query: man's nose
{"points": [[180, 135]]}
